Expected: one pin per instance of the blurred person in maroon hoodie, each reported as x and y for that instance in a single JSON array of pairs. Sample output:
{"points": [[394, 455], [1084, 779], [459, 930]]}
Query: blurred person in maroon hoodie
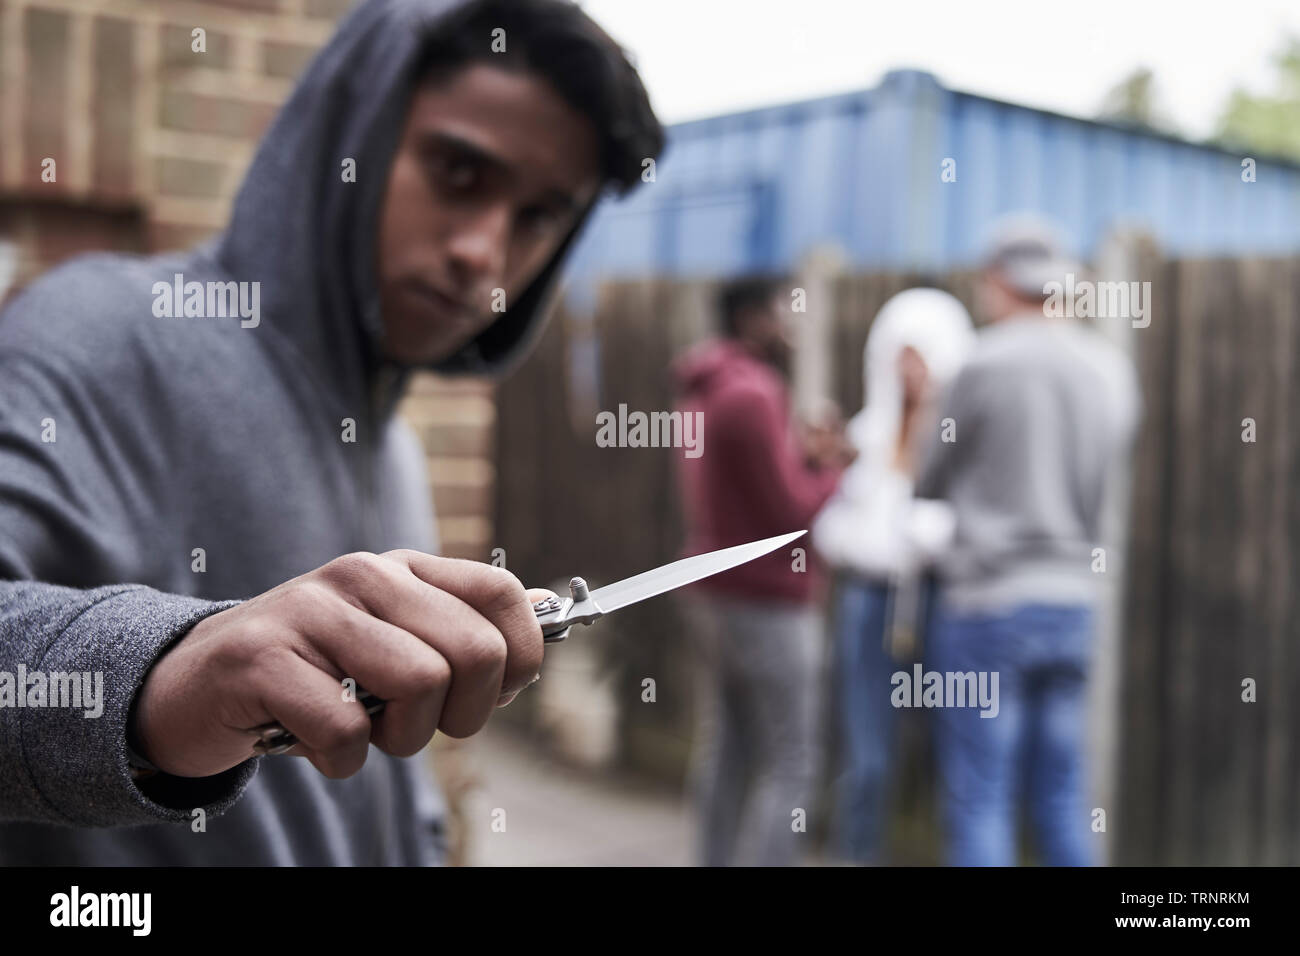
{"points": [[760, 627]]}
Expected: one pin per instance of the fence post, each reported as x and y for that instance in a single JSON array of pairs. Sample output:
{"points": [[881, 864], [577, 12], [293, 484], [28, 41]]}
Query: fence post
{"points": [[1121, 257], [815, 275]]}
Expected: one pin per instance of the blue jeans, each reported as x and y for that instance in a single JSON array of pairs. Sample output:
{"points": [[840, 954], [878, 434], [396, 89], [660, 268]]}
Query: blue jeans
{"points": [[1034, 746], [866, 718]]}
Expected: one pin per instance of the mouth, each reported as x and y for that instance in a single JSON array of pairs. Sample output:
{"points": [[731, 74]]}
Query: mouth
{"points": [[444, 307]]}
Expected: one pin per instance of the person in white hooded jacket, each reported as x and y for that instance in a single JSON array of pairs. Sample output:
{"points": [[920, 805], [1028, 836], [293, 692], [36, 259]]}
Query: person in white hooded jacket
{"points": [[882, 540]]}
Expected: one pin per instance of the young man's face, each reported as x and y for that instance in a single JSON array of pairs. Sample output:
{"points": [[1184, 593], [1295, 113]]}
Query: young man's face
{"points": [[770, 331], [491, 172]]}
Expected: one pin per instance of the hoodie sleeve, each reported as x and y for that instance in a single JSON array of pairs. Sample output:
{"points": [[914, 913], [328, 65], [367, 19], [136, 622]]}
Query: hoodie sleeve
{"points": [[767, 473], [67, 764]]}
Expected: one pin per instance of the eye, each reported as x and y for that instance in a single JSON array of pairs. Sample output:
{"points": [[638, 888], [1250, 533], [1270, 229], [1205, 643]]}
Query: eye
{"points": [[454, 173], [541, 218], [461, 174]]}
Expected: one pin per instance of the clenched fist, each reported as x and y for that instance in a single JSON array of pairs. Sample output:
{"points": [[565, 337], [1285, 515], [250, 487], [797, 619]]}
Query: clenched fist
{"points": [[443, 641]]}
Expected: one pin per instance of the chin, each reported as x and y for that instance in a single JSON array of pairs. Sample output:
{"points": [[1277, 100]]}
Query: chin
{"points": [[419, 358], [424, 352]]}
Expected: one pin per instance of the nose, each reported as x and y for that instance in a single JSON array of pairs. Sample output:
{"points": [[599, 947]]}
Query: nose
{"points": [[479, 244]]}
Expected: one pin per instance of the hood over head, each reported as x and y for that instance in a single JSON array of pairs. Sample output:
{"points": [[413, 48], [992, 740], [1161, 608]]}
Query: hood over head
{"points": [[310, 237], [931, 321]]}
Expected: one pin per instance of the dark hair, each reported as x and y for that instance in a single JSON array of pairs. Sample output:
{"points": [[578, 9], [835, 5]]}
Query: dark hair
{"points": [[556, 40], [738, 296]]}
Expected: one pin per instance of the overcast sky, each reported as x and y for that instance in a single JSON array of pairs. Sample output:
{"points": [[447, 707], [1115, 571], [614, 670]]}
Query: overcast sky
{"points": [[703, 57]]}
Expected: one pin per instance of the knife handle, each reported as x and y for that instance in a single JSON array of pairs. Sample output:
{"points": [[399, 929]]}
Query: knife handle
{"points": [[274, 739]]}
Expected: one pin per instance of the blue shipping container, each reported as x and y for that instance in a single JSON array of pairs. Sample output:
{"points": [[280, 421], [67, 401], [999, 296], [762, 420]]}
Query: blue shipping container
{"points": [[755, 190]]}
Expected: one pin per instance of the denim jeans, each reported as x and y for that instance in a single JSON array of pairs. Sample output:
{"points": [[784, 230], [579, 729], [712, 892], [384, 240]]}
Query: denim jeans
{"points": [[1033, 748], [865, 719]]}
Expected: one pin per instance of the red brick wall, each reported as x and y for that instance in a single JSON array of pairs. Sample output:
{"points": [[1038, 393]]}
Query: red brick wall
{"points": [[151, 140]]}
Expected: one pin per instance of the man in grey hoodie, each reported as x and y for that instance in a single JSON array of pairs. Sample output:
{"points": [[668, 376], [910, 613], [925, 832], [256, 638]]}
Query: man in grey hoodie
{"points": [[205, 497]]}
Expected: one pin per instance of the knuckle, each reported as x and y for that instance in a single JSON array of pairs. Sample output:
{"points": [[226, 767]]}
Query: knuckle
{"points": [[499, 588], [308, 595], [482, 648], [429, 676], [349, 567]]}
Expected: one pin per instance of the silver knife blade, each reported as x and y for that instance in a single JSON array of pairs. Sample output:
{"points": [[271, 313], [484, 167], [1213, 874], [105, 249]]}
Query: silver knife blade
{"points": [[668, 577]]}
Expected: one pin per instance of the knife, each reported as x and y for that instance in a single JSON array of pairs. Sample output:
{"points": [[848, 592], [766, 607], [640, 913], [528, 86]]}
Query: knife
{"points": [[558, 615]]}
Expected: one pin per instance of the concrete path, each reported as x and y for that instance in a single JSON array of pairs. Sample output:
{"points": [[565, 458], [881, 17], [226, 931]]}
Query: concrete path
{"points": [[557, 816]]}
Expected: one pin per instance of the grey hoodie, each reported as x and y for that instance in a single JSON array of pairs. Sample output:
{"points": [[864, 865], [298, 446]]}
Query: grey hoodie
{"points": [[174, 434]]}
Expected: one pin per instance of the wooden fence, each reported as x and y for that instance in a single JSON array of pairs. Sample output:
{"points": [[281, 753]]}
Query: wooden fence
{"points": [[1204, 776]]}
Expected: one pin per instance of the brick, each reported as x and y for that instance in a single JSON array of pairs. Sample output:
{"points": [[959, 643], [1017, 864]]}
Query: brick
{"points": [[269, 6], [45, 37], [427, 383], [329, 9], [465, 550], [465, 528], [461, 471], [177, 47], [462, 500], [163, 236], [5, 174], [285, 60], [457, 440], [62, 231], [113, 108], [201, 113], [197, 178], [457, 386]]}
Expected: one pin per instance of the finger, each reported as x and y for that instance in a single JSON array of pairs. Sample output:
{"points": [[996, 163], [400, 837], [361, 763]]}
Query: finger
{"points": [[393, 664], [385, 659], [473, 649], [333, 733], [497, 595], [407, 723]]}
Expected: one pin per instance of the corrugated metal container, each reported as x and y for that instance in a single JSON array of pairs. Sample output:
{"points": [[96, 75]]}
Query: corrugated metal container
{"points": [[863, 170]]}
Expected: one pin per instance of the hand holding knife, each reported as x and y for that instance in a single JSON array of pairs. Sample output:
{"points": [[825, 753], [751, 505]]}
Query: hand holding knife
{"points": [[583, 606]]}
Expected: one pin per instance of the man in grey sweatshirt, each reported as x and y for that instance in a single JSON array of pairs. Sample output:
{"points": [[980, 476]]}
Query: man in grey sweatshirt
{"points": [[1028, 433], [207, 506]]}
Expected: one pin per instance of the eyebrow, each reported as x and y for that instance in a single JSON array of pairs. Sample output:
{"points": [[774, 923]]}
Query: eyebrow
{"points": [[559, 197]]}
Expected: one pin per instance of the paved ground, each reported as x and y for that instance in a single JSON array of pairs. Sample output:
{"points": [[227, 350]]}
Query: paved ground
{"points": [[558, 816]]}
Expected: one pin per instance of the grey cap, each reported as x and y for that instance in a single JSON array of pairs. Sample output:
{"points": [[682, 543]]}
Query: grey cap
{"points": [[1028, 254]]}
